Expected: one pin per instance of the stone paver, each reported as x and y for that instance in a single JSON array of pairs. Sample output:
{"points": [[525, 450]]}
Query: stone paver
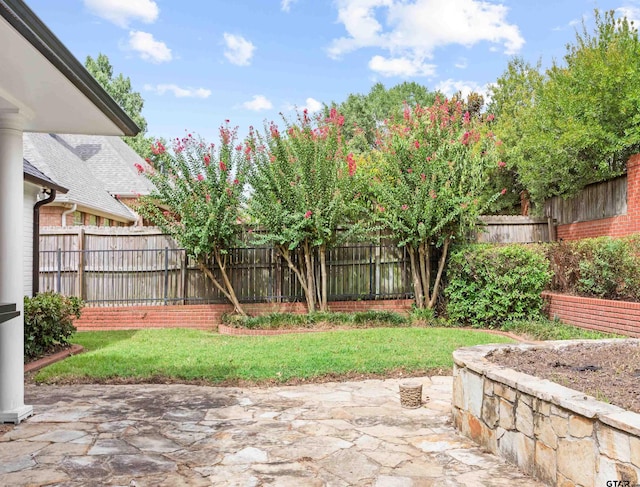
{"points": [[336, 434]]}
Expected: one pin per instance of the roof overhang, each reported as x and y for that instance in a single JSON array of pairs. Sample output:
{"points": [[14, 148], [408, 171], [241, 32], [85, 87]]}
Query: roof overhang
{"points": [[47, 85]]}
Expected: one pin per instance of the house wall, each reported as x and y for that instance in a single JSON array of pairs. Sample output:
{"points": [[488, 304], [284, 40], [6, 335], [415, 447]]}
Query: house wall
{"points": [[208, 317], [616, 226], [51, 216], [30, 197]]}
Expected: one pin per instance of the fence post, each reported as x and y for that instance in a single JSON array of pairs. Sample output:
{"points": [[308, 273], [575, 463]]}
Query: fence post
{"points": [[166, 275], [183, 275], [371, 272], [59, 271], [81, 263]]}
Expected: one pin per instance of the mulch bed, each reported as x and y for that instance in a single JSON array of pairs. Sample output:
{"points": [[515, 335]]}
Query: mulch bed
{"points": [[608, 371]]}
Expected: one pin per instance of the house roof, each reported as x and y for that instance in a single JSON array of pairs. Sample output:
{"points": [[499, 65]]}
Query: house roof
{"points": [[36, 65], [53, 157], [33, 175], [112, 161]]}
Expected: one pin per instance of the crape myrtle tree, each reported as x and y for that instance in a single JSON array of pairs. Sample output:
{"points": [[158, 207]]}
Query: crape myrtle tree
{"points": [[197, 199], [438, 176], [305, 196]]}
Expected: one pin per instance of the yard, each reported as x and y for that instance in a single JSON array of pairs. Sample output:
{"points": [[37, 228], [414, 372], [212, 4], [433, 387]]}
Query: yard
{"points": [[181, 355]]}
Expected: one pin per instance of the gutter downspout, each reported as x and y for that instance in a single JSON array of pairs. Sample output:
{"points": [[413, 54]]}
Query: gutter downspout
{"points": [[65, 213], [35, 267]]}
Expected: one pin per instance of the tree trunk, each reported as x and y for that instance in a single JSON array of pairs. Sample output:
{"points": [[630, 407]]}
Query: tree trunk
{"points": [[231, 297], [415, 273], [436, 284], [323, 277], [311, 284], [237, 307], [425, 270]]}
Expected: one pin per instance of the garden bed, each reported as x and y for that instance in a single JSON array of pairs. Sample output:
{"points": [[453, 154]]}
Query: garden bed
{"points": [[561, 435]]}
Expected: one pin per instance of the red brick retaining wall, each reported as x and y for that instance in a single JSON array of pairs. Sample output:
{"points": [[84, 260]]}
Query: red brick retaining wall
{"points": [[620, 317], [208, 316], [616, 226]]}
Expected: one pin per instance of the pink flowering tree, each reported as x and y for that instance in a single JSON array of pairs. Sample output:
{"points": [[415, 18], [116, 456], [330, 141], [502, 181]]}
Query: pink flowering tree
{"points": [[305, 196], [199, 190], [438, 175]]}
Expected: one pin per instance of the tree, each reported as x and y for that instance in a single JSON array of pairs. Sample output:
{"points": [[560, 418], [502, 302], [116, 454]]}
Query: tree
{"points": [[365, 114], [305, 189], [583, 122], [197, 199], [512, 101], [119, 88], [438, 162]]}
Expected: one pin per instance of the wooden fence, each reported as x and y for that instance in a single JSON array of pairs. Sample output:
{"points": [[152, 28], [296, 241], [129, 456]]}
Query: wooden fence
{"points": [[599, 200], [116, 275]]}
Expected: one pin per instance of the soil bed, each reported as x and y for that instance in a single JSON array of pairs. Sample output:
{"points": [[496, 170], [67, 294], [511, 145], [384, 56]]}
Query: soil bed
{"points": [[610, 372]]}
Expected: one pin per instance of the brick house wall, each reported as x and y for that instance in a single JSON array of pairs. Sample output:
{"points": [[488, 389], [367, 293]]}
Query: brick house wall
{"points": [[51, 216], [209, 316], [617, 226]]}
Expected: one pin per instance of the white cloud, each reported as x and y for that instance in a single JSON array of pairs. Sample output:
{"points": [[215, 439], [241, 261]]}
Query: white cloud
{"points": [[122, 12], [400, 66], [179, 92], [286, 4], [631, 13], [411, 30], [239, 50], [462, 63], [257, 103], [450, 87], [312, 105], [148, 48]]}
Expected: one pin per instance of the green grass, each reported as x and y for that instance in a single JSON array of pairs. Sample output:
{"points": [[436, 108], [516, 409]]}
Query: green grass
{"points": [[544, 329], [183, 355]]}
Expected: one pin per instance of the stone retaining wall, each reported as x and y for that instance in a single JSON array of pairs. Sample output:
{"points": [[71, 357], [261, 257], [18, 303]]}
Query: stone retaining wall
{"points": [[556, 434]]}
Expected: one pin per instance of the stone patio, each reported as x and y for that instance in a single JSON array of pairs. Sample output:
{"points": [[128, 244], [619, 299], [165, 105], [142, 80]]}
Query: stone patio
{"points": [[333, 434]]}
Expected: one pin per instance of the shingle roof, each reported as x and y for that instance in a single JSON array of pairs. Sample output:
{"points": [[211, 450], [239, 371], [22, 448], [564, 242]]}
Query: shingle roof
{"points": [[112, 161], [35, 176], [52, 156]]}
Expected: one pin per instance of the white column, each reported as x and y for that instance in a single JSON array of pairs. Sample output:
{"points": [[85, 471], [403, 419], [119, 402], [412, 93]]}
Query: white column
{"points": [[12, 407]]}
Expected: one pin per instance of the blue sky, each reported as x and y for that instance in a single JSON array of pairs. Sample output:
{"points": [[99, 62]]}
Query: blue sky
{"points": [[198, 63]]}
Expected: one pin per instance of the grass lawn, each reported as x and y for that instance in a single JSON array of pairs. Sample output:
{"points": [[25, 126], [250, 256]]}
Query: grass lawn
{"points": [[191, 355]]}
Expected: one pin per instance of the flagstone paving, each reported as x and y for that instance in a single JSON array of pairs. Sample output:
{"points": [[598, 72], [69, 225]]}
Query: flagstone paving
{"points": [[333, 434]]}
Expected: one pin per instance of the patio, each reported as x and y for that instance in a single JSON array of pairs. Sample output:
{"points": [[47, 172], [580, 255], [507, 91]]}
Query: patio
{"points": [[334, 434]]}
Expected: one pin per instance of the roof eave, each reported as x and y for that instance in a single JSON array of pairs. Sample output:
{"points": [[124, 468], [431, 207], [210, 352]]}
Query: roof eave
{"points": [[27, 23]]}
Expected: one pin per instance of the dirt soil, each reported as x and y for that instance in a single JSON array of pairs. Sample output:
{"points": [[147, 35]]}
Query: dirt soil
{"points": [[609, 372]]}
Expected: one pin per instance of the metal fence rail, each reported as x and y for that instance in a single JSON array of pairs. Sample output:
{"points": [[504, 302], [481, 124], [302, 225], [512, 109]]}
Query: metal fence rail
{"points": [[168, 276]]}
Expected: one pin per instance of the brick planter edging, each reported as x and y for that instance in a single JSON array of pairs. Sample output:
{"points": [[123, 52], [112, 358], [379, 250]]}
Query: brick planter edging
{"points": [[606, 315], [551, 432], [208, 316]]}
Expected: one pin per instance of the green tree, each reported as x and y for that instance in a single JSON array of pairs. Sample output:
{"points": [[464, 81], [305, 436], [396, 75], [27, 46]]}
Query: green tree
{"points": [[365, 114], [438, 162], [583, 121], [119, 88], [197, 200], [305, 197]]}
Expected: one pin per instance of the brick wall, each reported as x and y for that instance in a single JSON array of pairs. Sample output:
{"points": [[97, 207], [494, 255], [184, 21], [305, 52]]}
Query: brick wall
{"points": [[620, 317], [617, 226], [208, 316]]}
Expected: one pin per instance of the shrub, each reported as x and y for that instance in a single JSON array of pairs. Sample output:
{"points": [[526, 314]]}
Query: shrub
{"points": [[601, 267], [489, 284], [360, 319], [48, 322]]}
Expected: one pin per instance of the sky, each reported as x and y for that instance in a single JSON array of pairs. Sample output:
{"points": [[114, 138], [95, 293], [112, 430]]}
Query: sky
{"points": [[198, 63]]}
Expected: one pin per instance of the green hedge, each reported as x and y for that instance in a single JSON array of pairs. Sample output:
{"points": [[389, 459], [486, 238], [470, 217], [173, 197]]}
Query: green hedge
{"points": [[489, 285], [602, 267], [48, 322]]}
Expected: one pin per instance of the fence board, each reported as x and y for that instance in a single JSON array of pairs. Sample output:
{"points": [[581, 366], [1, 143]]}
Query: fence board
{"points": [[599, 200]]}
